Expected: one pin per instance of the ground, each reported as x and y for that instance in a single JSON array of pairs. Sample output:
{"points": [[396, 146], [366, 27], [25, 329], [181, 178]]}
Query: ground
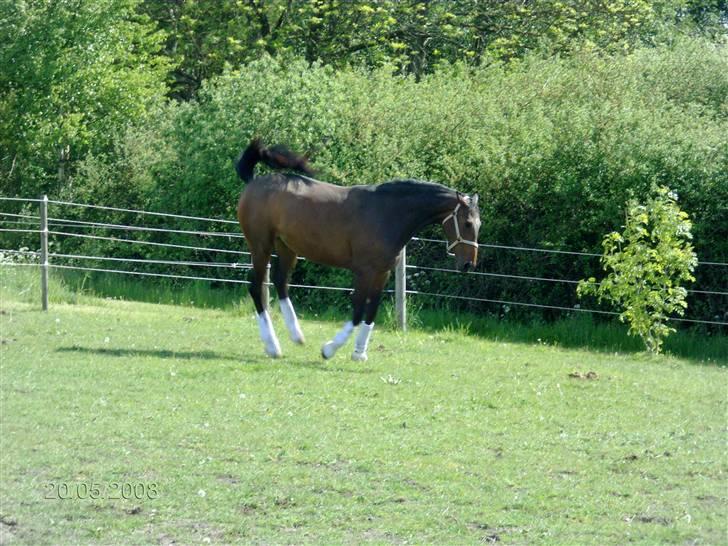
{"points": [[440, 438]]}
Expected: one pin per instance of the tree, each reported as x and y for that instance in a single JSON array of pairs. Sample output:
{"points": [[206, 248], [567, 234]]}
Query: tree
{"points": [[412, 35], [74, 72]]}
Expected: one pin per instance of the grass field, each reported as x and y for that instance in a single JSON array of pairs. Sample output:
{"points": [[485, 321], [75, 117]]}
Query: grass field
{"points": [[441, 438]]}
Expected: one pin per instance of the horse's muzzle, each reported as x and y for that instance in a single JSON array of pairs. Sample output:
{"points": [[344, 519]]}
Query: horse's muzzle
{"points": [[467, 266]]}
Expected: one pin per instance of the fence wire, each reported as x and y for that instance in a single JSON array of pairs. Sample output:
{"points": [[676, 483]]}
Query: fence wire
{"points": [[92, 225], [143, 212], [71, 223], [153, 261], [152, 243], [544, 250], [543, 306], [526, 278]]}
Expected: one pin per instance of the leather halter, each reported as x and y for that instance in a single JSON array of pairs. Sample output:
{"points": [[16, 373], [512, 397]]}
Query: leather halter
{"points": [[458, 238]]}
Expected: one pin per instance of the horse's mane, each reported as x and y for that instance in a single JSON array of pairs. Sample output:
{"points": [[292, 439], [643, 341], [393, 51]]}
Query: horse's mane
{"points": [[276, 157], [409, 186]]}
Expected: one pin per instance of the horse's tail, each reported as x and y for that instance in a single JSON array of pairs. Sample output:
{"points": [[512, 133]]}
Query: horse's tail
{"points": [[276, 157]]}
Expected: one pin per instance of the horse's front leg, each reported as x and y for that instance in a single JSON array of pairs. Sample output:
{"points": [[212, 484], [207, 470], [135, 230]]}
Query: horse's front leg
{"points": [[359, 299], [366, 327]]}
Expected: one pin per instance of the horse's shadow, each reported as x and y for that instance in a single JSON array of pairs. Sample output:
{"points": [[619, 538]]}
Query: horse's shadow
{"points": [[157, 353], [316, 365]]}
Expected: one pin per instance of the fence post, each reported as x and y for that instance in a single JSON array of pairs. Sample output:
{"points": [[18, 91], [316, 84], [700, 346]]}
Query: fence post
{"points": [[264, 290], [44, 252], [400, 290]]}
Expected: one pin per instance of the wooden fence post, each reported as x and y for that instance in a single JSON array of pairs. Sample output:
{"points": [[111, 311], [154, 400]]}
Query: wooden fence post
{"points": [[400, 290], [44, 252]]}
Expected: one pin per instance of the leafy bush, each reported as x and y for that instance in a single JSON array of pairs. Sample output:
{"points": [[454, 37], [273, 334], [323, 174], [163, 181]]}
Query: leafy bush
{"points": [[554, 147], [647, 264]]}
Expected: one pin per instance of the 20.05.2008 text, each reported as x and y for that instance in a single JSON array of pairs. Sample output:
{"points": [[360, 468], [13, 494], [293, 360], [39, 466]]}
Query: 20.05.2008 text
{"points": [[112, 490]]}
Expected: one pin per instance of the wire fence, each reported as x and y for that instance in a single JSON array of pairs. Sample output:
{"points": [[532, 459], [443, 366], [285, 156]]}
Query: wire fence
{"points": [[61, 227], [544, 250]]}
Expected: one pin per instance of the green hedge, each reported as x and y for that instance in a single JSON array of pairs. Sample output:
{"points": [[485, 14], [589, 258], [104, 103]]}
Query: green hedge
{"points": [[555, 147]]}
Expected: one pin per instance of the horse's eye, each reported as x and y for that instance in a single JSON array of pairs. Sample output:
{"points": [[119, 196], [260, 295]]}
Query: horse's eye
{"points": [[468, 224]]}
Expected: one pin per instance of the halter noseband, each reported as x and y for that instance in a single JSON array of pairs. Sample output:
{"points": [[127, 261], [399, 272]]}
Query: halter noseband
{"points": [[458, 238]]}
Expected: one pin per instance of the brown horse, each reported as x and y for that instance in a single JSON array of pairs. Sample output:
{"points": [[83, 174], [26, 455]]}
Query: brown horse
{"points": [[360, 228]]}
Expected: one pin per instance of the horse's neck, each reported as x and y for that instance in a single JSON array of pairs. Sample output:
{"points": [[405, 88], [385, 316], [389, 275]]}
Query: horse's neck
{"points": [[420, 211]]}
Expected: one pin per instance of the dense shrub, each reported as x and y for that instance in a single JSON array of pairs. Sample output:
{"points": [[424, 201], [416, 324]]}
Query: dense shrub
{"points": [[555, 147]]}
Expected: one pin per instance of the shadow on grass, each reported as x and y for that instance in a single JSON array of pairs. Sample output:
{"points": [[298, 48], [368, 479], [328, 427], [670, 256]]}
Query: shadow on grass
{"points": [[155, 353], [317, 365]]}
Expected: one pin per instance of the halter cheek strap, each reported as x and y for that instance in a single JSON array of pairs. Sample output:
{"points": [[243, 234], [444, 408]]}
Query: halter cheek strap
{"points": [[458, 238]]}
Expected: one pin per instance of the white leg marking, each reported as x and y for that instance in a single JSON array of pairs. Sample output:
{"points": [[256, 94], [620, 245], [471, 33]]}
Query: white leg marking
{"points": [[268, 335], [362, 341], [289, 316], [329, 349]]}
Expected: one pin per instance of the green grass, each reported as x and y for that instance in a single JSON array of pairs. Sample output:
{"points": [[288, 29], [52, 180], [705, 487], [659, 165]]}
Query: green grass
{"points": [[442, 437], [580, 330]]}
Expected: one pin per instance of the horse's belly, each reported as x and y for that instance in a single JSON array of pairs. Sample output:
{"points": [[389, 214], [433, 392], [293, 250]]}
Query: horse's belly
{"points": [[319, 249]]}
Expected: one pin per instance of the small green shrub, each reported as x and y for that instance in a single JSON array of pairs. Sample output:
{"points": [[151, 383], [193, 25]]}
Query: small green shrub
{"points": [[648, 261]]}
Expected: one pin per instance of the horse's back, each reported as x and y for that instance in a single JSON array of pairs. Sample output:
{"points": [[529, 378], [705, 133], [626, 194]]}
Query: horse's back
{"points": [[281, 195], [312, 218]]}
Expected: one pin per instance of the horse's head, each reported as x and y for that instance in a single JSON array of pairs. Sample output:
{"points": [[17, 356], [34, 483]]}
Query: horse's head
{"points": [[461, 228]]}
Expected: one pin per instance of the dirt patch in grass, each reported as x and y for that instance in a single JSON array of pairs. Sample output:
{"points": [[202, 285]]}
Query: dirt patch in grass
{"points": [[228, 479], [589, 376], [8, 528]]}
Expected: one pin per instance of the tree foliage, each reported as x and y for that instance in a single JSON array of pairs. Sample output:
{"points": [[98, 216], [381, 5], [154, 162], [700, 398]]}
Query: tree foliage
{"points": [[73, 73], [412, 35], [648, 263]]}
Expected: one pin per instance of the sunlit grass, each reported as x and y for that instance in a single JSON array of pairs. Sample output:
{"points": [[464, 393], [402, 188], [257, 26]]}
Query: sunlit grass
{"points": [[443, 437]]}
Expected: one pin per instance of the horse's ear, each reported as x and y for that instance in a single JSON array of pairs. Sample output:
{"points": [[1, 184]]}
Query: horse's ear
{"points": [[463, 199], [474, 200]]}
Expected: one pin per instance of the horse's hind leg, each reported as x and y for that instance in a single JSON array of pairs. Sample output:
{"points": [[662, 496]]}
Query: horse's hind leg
{"points": [[281, 272], [257, 277]]}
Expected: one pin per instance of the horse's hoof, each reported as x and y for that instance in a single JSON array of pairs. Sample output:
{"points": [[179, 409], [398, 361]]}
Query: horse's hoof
{"points": [[298, 339], [359, 357], [328, 350], [273, 351]]}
